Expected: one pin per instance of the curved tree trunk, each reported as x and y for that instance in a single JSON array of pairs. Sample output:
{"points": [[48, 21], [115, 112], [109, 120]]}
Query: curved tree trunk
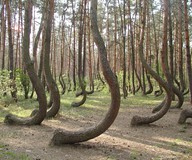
{"points": [[160, 91], [80, 71], [180, 96], [66, 137], [55, 96], [40, 115], [138, 120], [185, 114], [150, 90], [139, 82], [35, 47], [178, 105], [62, 83], [101, 84]]}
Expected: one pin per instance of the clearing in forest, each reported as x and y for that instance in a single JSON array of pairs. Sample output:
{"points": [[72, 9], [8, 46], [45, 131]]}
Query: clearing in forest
{"points": [[162, 140]]}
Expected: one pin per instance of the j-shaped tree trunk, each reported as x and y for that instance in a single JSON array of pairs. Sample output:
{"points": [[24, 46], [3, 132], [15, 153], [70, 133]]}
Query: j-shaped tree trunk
{"points": [[55, 96], [179, 104], [67, 137], [80, 71], [138, 120], [40, 115], [35, 47], [160, 91]]}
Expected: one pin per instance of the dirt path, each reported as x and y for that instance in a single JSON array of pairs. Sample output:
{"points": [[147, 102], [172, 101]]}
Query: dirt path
{"points": [[163, 140]]}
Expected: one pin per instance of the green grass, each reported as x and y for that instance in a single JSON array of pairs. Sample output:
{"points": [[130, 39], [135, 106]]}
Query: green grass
{"points": [[97, 102]]}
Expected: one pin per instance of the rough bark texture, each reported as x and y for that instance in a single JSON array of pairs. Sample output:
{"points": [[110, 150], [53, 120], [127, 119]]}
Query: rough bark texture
{"points": [[66, 137], [180, 46], [55, 96], [40, 115], [185, 114], [3, 34], [124, 31], [132, 51], [188, 54], [138, 120]]}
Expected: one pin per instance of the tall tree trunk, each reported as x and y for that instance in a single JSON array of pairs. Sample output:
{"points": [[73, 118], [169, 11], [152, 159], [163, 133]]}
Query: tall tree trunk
{"points": [[36, 42], [18, 35], [35, 47], [132, 50], [40, 115], [124, 32], [138, 120], [188, 112], [67, 137], [90, 58], [80, 71], [188, 54], [3, 34], [11, 57], [115, 40], [74, 48], [160, 91], [180, 46], [61, 80], [55, 96]]}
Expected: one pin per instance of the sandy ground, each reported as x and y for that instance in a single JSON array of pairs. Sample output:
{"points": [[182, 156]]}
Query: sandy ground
{"points": [[162, 140]]}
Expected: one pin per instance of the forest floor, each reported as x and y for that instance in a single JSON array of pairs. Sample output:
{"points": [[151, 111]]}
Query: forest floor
{"points": [[162, 140]]}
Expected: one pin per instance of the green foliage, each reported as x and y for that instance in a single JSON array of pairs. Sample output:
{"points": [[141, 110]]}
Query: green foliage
{"points": [[5, 82], [22, 79]]}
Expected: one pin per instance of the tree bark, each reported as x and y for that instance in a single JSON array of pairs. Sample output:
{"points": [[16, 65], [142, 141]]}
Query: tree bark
{"points": [[188, 54], [124, 32], [74, 49], [40, 115], [3, 32], [11, 58], [138, 120], [55, 96], [67, 137], [188, 112], [132, 50], [80, 71], [180, 46]]}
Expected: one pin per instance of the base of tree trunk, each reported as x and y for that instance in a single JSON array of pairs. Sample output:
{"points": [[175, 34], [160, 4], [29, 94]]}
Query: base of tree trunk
{"points": [[15, 120], [185, 114], [137, 120], [60, 137]]}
